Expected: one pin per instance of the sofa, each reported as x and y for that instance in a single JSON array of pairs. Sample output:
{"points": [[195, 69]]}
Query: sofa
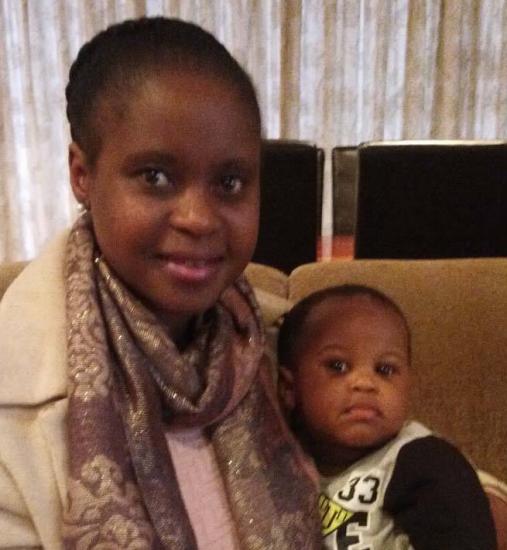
{"points": [[457, 310]]}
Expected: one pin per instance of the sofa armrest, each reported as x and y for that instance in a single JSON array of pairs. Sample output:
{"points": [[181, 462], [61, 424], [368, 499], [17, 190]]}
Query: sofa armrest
{"points": [[8, 272]]}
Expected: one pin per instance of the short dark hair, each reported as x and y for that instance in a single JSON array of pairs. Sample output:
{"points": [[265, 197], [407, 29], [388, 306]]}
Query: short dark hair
{"points": [[294, 321], [117, 57]]}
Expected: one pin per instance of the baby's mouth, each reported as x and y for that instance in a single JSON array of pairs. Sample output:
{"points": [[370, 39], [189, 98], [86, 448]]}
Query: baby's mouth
{"points": [[362, 412]]}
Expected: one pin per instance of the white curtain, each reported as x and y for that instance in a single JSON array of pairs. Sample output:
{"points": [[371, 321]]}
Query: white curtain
{"points": [[334, 72]]}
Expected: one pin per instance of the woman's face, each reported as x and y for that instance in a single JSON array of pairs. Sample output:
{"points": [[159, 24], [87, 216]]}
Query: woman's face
{"points": [[174, 192]]}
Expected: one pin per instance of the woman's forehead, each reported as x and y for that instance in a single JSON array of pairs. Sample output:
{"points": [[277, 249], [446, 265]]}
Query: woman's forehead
{"points": [[179, 112]]}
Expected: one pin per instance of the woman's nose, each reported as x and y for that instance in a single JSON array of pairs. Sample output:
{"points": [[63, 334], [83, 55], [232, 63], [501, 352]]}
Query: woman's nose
{"points": [[194, 211]]}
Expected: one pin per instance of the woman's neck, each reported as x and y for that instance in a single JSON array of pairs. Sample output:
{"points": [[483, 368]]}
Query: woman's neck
{"points": [[180, 329]]}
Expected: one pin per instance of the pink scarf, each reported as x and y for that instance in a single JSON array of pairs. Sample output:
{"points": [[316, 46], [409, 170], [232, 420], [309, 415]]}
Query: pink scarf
{"points": [[127, 380]]}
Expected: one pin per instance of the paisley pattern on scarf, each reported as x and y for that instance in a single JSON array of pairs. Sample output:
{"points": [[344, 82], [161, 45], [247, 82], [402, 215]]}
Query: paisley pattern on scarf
{"points": [[100, 489], [128, 382]]}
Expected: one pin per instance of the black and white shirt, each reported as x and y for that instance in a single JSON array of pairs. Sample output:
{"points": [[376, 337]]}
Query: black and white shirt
{"points": [[416, 492]]}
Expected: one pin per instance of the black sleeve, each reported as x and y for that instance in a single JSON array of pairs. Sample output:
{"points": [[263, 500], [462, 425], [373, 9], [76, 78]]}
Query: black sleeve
{"points": [[435, 497]]}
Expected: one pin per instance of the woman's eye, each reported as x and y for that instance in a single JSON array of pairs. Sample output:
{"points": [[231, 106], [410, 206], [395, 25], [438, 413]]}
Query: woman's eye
{"points": [[385, 369], [156, 178], [338, 366], [231, 184]]}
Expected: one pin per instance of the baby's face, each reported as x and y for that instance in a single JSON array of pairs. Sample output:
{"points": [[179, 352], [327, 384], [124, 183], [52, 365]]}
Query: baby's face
{"points": [[174, 193], [352, 375]]}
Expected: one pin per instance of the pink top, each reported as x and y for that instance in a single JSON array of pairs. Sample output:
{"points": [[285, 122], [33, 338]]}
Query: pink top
{"points": [[202, 489]]}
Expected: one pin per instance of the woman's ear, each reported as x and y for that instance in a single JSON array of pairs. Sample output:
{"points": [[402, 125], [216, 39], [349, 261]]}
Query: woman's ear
{"points": [[286, 392], [79, 175]]}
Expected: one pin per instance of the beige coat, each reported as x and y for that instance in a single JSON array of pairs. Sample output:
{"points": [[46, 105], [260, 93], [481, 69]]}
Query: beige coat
{"points": [[33, 365], [33, 460]]}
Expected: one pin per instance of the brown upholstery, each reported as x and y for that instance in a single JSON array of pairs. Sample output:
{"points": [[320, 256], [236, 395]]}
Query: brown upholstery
{"points": [[8, 272]]}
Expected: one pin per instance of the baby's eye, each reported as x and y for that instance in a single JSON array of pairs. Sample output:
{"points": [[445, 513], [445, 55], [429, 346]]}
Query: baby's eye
{"points": [[231, 184], [385, 369], [156, 178], [337, 365]]}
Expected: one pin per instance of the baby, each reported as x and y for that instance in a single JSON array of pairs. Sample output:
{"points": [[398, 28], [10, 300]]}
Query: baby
{"points": [[386, 482]]}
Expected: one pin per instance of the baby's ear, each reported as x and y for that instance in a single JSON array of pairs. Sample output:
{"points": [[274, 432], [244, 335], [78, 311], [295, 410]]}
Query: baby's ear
{"points": [[286, 393]]}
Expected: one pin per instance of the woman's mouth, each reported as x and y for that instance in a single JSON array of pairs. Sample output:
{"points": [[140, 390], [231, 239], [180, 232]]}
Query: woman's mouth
{"points": [[190, 270]]}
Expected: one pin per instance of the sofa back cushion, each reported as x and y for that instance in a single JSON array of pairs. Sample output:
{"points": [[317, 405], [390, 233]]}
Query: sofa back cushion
{"points": [[457, 310]]}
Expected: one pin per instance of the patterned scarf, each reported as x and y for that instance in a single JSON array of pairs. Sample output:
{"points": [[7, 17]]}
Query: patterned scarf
{"points": [[128, 382]]}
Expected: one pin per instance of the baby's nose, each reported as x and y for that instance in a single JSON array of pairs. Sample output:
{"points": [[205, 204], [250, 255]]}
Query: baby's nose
{"points": [[363, 381]]}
